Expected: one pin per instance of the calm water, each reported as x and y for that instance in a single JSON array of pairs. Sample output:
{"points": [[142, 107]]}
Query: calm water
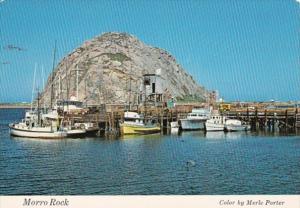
{"points": [[193, 163]]}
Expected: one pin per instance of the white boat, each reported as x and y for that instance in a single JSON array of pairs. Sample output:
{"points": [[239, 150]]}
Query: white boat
{"points": [[215, 123], [75, 132], [235, 125], [90, 128], [21, 130], [33, 128], [174, 125], [195, 120]]}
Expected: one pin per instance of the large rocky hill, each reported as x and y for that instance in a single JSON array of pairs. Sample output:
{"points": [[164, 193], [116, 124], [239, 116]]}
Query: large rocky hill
{"points": [[110, 65]]}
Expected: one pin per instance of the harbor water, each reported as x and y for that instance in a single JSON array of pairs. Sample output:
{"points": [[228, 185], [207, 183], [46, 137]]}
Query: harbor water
{"points": [[190, 163]]}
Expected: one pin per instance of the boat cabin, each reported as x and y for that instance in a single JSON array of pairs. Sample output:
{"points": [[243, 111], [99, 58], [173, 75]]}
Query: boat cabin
{"points": [[69, 105], [217, 119], [199, 113]]}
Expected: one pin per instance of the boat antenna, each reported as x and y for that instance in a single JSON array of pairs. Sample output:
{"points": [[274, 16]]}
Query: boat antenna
{"points": [[51, 96], [33, 85]]}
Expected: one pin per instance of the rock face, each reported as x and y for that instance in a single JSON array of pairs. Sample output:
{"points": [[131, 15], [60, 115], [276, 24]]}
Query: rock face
{"points": [[110, 69]]}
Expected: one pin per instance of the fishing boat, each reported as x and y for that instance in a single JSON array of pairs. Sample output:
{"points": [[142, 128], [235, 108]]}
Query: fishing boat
{"points": [[235, 125], [195, 120], [44, 125], [38, 125], [134, 124], [21, 130], [32, 127], [215, 123]]}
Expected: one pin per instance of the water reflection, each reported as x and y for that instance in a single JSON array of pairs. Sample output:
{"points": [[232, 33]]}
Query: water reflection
{"points": [[215, 135], [198, 134], [236, 135], [126, 137]]}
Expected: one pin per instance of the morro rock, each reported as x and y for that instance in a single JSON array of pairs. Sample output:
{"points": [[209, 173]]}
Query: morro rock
{"points": [[110, 69]]}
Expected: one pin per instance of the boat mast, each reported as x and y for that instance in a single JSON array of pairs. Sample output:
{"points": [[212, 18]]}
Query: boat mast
{"points": [[59, 87], [145, 104], [68, 85], [129, 80], [130, 89], [77, 82], [43, 88], [33, 85], [85, 92], [51, 96], [38, 107]]}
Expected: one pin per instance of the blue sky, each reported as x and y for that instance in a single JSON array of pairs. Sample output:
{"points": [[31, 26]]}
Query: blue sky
{"points": [[246, 49]]}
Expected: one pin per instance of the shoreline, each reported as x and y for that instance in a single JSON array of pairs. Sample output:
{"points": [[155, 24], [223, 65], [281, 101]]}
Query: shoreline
{"points": [[14, 106]]}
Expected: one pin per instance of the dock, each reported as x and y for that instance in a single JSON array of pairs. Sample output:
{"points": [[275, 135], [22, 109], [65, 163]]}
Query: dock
{"points": [[108, 116]]}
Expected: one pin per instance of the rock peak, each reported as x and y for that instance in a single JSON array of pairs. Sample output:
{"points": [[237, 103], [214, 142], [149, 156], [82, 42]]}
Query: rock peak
{"points": [[109, 64]]}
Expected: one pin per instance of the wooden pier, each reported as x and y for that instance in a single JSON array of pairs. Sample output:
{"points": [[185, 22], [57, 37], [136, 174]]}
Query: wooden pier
{"points": [[274, 119], [109, 117]]}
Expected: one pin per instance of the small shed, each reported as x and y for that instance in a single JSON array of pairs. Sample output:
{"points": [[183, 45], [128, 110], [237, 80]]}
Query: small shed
{"points": [[152, 88]]}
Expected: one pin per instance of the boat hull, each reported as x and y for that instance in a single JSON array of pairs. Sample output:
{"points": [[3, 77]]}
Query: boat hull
{"points": [[37, 134], [214, 127], [76, 133], [127, 129], [92, 131], [187, 124]]}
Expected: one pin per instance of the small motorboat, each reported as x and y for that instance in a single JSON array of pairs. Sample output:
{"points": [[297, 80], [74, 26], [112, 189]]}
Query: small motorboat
{"points": [[90, 128], [195, 120], [75, 133], [235, 125], [174, 127]]}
